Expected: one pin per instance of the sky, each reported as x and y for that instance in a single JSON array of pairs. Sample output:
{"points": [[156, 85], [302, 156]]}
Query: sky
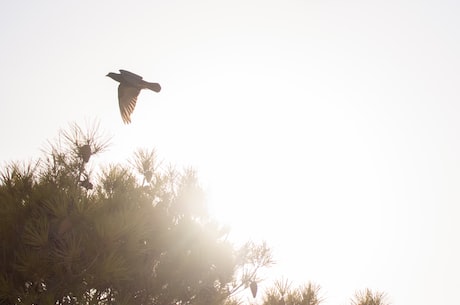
{"points": [[327, 128]]}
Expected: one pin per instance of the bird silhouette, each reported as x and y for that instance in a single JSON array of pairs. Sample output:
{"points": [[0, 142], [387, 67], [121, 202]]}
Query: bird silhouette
{"points": [[130, 86]]}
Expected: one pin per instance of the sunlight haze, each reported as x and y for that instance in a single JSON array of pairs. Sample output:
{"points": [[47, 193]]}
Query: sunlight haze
{"points": [[330, 129]]}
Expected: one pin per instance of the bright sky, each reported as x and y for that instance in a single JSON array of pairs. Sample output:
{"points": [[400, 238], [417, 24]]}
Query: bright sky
{"points": [[330, 129]]}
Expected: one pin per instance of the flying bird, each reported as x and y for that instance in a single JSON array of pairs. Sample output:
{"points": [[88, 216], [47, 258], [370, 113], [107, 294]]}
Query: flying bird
{"points": [[130, 86]]}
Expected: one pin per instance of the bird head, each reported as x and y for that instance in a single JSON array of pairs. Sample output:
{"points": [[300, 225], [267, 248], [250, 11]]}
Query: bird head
{"points": [[115, 76]]}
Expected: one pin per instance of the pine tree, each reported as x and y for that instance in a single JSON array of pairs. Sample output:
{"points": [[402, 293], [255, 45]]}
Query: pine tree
{"points": [[136, 234], [281, 293], [369, 297]]}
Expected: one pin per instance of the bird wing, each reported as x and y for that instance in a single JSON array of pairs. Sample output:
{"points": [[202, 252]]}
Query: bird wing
{"points": [[130, 74], [131, 78], [127, 98]]}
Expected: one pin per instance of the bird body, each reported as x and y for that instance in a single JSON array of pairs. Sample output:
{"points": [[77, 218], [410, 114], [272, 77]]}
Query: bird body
{"points": [[130, 86]]}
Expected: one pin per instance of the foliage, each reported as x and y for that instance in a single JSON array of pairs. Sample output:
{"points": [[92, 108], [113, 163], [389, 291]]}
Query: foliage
{"points": [[282, 294], [368, 297], [137, 235]]}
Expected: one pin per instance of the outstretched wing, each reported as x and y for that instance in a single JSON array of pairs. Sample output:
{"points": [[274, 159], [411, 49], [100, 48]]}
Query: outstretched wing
{"points": [[131, 78], [127, 98], [130, 74]]}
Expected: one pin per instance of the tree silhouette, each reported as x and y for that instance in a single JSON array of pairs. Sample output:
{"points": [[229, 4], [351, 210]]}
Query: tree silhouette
{"points": [[369, 297], [136, 234], [281, 293]]}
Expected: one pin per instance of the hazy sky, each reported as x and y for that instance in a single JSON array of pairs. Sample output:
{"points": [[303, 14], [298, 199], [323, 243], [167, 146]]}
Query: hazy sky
{"points": [[328, 128]]}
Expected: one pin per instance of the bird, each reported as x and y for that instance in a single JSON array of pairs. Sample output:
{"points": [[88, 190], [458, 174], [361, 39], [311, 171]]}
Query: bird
{"points": [[130, 86]]}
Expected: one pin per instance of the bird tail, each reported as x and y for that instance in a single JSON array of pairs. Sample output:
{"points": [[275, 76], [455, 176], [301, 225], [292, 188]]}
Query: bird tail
{"points": [[153, 86]]}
